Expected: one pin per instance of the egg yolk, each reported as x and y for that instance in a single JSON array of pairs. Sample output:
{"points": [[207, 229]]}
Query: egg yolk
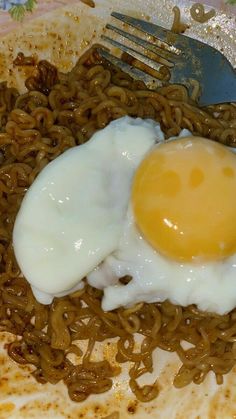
{"points": [[184, 199]]}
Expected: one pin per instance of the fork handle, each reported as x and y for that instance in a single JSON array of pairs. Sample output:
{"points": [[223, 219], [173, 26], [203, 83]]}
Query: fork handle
{"points": [[220, 90]]}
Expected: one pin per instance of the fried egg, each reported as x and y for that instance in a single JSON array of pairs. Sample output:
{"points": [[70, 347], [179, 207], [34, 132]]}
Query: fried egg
{"points": [[71, 217], [128, 203], [179, 239]]}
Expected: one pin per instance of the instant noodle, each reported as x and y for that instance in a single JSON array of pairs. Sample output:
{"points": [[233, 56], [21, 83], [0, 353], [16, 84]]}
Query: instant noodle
{"points": [[60, 111]]}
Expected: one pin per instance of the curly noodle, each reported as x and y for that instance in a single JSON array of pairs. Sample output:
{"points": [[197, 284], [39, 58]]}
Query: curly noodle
{"points": [[60, 111], [197, 12], [177, 25]]}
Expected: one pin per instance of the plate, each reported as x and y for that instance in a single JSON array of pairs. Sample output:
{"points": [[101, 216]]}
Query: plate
{"points": [[60, 31]]}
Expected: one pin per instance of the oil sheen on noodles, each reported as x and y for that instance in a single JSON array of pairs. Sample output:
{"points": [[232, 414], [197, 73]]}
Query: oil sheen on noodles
{"points": [[57, 112]]}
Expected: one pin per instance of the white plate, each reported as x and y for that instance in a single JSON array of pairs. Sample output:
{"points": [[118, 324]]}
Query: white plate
{"points": [[61, 36]]}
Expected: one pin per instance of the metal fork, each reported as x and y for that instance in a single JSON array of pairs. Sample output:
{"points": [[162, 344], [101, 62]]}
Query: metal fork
{"points": [[184, 58]]}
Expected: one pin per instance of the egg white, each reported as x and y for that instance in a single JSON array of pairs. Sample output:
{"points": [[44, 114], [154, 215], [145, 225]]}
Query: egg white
{"points": [[156, 278], [71, 217]]}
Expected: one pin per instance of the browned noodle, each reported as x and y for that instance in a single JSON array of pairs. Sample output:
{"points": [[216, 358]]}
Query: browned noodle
{"points": [[198, 13], [177, 25], [89, 3], [114, 415], [58, 112]]}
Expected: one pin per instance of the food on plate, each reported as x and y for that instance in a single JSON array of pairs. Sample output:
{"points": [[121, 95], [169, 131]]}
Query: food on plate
{"points": [[58, 112], [172, 245], [89, 3], [177, 25], [198, 13], [80, 201]]}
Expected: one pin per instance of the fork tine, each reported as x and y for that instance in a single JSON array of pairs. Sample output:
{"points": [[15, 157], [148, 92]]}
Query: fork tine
{"points": [[165, 55], [149, 28], [134, 53], [134, 72]]}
